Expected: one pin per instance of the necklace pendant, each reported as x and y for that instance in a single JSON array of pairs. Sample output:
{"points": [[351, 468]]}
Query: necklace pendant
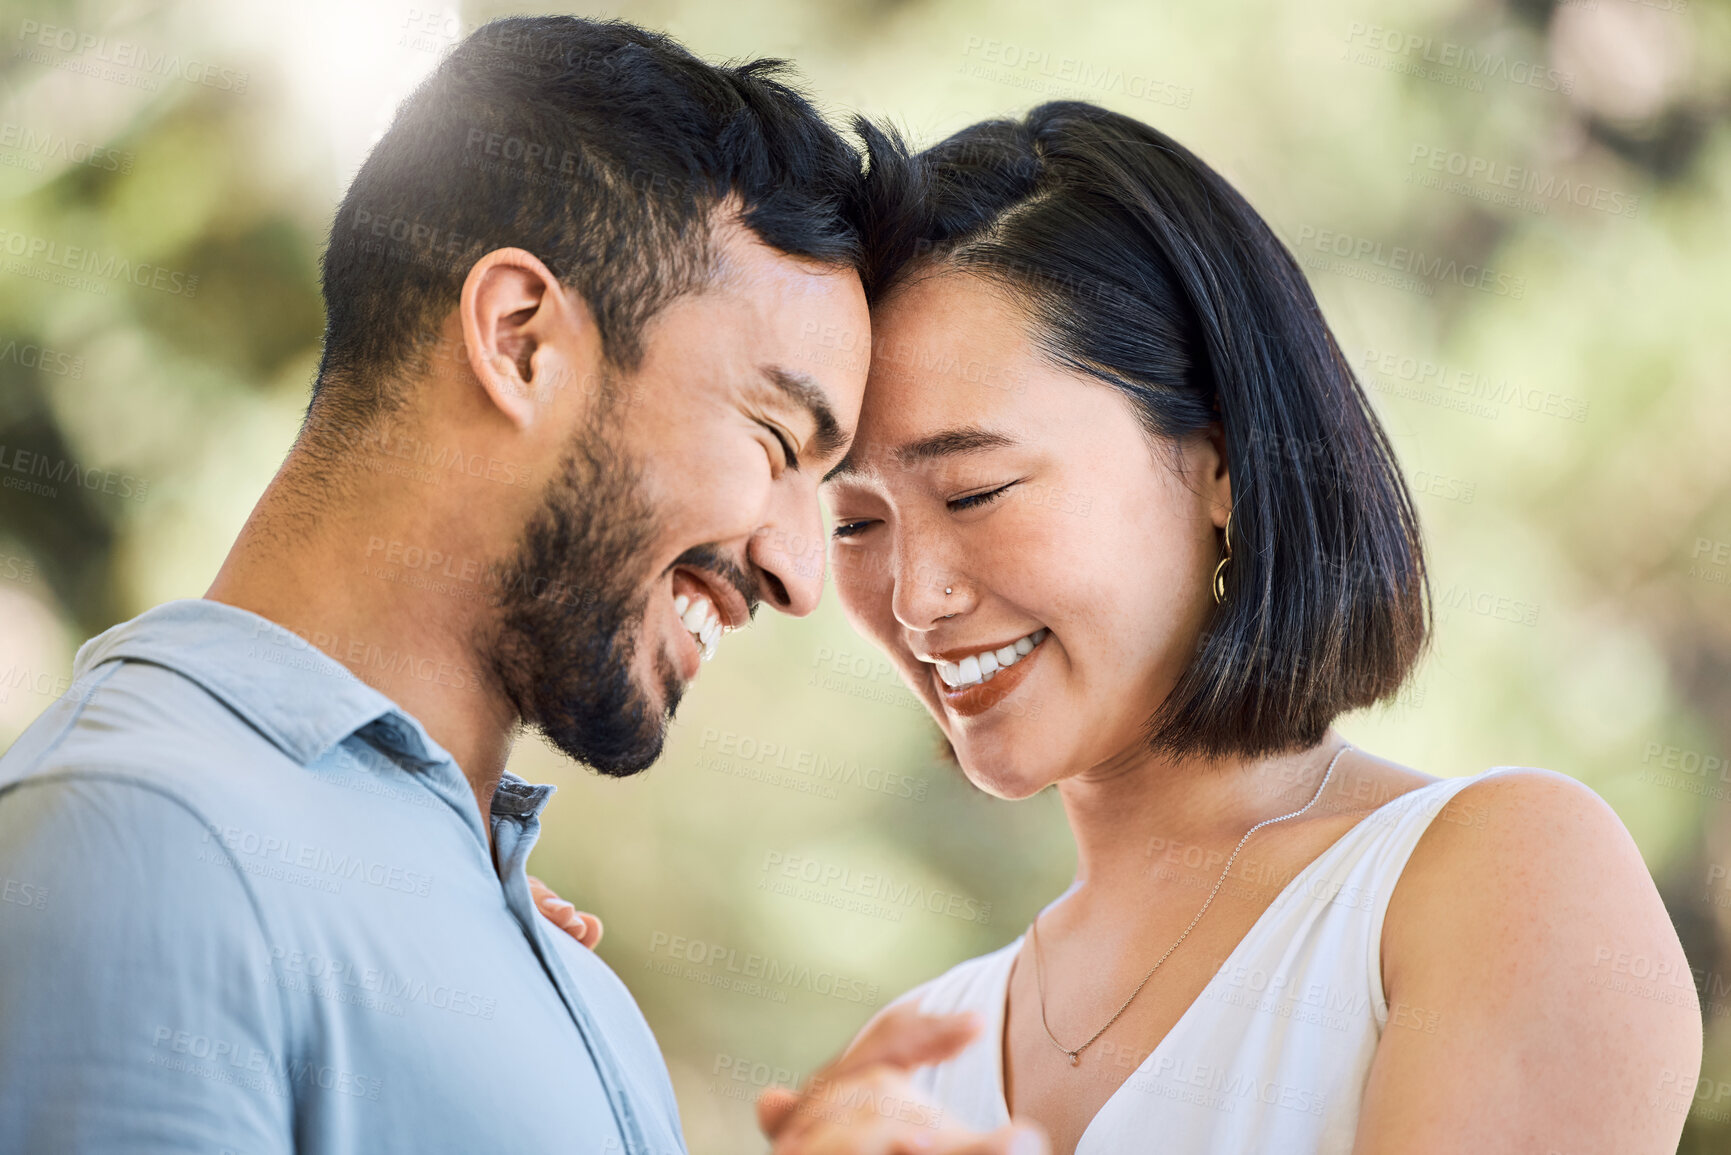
{"points": [[1075, 1059]]}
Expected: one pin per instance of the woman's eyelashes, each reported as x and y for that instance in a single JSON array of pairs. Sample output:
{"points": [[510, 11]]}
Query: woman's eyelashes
{"points": [[975, 500], [848, 528], [955, 505]]}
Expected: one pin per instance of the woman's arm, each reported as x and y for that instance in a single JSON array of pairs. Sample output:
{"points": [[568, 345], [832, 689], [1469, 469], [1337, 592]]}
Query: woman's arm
{"points": [[1539, 999]]}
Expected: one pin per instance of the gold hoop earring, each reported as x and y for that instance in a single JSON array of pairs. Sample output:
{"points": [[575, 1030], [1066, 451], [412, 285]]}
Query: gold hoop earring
{"points": [[1220, 570]]}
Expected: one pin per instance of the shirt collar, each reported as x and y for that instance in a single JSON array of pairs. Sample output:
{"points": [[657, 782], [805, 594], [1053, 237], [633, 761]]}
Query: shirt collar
{"points": [[300, 698]]}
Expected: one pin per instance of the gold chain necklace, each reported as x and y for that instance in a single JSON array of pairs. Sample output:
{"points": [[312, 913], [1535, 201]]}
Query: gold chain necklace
{"points": [[1034, 927]]}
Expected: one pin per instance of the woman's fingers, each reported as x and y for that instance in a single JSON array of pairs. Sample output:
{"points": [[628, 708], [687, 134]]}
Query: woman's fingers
{"points": [[583, 927], [773, 1108], [905, 1037], [877, 1112]]}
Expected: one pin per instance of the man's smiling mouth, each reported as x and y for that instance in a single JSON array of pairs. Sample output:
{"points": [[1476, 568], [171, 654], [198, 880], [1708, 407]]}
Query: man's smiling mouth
{"points": [[707, 608]]}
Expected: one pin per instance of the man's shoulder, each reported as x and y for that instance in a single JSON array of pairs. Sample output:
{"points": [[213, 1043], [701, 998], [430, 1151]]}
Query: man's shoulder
{"points": [[137, 722], [134, 770], [111, 858]]}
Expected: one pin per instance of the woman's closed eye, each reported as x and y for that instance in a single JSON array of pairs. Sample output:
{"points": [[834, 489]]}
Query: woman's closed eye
{"points": [[849, 528], [975, 500]]}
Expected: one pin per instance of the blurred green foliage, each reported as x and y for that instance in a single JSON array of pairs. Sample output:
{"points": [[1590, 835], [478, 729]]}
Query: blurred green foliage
{"points": [[1570, 441]]}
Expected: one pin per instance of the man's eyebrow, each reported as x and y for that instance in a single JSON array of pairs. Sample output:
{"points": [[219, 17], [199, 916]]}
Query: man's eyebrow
{"points": [[805, 393], [955, 442]]}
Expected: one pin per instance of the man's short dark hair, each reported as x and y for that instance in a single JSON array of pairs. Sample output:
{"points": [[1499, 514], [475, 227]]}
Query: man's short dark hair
{"points": [[601, 148], [1143, 268]]}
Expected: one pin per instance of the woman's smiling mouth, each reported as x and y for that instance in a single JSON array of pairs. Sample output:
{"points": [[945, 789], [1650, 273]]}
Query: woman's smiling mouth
{"points": [[972, 681]]}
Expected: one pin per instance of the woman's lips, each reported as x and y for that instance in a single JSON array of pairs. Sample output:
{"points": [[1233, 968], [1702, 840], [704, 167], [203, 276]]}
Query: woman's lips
{"points": [[982, 696]]}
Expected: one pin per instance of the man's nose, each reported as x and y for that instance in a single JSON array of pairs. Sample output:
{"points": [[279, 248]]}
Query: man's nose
{"points": [[788, 553]]}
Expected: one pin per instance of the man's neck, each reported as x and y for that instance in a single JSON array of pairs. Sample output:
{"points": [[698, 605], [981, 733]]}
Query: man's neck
{"points": [[390, 584]]}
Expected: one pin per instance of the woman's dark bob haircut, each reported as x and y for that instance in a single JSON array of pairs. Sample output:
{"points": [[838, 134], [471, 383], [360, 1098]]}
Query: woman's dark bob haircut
{"points": [[1140, 267]]}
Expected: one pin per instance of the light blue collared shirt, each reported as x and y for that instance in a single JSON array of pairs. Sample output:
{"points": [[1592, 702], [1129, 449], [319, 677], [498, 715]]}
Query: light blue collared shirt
{"points": [[246, 904]]}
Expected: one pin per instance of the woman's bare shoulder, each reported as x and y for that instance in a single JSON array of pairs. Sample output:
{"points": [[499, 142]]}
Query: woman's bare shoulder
{"points": [[1521, 836], [1531, 876], [1509, 937]]}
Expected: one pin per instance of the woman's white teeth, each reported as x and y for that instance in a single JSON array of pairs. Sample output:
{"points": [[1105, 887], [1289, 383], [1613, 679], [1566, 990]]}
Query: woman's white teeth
{"points": [[983, 666], [699, 617]]}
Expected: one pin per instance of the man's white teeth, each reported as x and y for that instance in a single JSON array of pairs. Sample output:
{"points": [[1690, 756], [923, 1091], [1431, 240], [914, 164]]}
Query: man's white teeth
{"points": [[695, 616], [699, 617], [983, 666]]}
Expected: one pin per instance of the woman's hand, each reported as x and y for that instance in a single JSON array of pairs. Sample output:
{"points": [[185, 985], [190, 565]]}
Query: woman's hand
{"points": [[864, 1102], [585, 928]]}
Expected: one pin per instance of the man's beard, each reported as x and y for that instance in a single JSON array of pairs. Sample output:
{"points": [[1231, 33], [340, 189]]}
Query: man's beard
{"points": [[572, 606]]}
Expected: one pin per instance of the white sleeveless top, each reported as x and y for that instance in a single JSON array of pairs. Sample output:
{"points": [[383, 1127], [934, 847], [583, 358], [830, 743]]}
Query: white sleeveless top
{"points": [[1274, 1053]]}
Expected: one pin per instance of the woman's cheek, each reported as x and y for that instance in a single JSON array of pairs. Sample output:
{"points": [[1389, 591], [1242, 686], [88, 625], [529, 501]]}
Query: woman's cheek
{"points": [[865, 601]]}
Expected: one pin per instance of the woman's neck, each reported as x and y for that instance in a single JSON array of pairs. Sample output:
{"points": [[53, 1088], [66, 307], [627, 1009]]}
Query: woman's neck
{"points": [[1127, 812]]}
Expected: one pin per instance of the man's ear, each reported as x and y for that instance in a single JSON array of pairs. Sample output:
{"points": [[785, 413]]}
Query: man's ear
{"points": [[511, 308]]}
